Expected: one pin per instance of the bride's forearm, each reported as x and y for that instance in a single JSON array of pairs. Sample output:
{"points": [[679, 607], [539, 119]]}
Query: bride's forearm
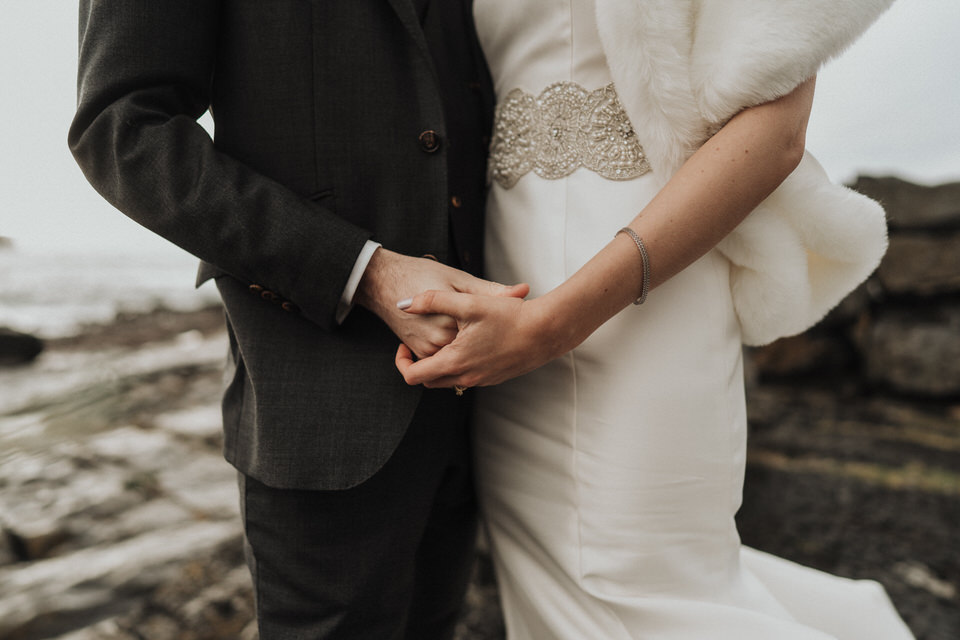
{"points": [[704, 201]]}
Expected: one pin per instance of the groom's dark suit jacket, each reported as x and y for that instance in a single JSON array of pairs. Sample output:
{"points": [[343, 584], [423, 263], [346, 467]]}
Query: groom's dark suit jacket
{"points": [[332, 121]]}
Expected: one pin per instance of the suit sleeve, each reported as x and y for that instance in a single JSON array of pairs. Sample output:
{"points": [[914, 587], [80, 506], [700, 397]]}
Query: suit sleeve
{"points": [[145, 71]]}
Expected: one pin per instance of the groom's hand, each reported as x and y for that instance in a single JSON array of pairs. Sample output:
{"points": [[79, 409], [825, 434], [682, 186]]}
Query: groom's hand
{"points": [[391, 277]]}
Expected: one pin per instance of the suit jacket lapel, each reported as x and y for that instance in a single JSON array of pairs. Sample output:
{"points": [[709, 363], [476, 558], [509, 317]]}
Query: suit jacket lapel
{"points": [[408, 16]]}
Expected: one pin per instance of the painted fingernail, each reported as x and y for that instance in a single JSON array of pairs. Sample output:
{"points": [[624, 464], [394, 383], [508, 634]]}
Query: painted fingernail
{"points": [[406, 303]]}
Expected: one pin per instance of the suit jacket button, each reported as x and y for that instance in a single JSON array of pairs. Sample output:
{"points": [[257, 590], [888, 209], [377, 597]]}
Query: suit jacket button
{"points": [[456, 202], [269, 295], [256, 289], [290, 307], [429, 141]]}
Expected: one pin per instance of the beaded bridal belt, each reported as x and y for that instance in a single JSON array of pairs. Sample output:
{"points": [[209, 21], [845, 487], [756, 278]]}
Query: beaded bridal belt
{"points": [[564, 128]]}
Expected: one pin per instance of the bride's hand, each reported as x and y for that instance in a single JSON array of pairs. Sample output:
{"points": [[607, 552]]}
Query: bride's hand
{"points": [[498, 338], [390, 276]]}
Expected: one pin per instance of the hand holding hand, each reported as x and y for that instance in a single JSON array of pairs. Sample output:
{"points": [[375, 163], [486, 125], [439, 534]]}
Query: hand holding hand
{"points": [[497, 338], [391, 277]]}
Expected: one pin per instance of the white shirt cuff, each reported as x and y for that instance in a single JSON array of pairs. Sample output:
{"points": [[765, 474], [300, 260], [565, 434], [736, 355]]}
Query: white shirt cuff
{"points": [[359, 267]]}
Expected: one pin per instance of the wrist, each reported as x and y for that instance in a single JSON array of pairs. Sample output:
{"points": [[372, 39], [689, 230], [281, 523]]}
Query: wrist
{"points": [[552, 325], [376, 280]]}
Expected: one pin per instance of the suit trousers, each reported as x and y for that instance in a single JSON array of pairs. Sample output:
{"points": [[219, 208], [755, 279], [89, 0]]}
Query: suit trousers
{"points": [[387, 559]]}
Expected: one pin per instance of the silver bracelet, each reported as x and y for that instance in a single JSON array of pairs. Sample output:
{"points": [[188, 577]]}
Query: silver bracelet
{"points": [[645, 287]]}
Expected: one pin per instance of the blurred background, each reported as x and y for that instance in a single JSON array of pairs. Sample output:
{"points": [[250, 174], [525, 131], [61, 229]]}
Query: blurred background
{"points": [[118, 516]]}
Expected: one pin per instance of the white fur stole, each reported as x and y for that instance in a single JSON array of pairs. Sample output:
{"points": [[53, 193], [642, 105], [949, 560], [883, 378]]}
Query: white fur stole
{"points": [[683, 67]]}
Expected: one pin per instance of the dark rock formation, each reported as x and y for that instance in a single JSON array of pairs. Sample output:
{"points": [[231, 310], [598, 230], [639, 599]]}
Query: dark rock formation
{"points": [[921, 264], [914, 351], [18, 348], [914, 206], [861, 487], [900, 331], [805, 354], [860, 417]]}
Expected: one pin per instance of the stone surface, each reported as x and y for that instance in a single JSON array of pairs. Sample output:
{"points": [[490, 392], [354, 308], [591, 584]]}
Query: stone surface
{"points": [[41, 516], [913, 206], [116, 506], [914, 351], [59, 594], [107, 487], [860, 486], [921, 264], [806, 354], [201, 423]]}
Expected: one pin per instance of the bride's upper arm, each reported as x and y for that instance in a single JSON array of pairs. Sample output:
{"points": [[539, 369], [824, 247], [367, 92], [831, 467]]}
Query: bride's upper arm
{"points": [[781, 122]]}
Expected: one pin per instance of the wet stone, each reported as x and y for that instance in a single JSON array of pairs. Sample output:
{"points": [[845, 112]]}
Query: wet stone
{"points": [[920, 264], [18, 348], [914, 206], [915, 353]]}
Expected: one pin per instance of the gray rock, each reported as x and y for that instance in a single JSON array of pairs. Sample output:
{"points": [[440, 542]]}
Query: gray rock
{"points": [[204, 484], [104, 630], [222, 609], [915, 352], [914, 206], [42, 516], [209, 598], [148, 451], [203, 422], [919, 264], [36, 540], [137, 520], [110, 487], [55, 596]]}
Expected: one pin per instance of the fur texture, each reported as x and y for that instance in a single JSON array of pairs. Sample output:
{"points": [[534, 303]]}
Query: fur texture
{"points": [[681, 68]]}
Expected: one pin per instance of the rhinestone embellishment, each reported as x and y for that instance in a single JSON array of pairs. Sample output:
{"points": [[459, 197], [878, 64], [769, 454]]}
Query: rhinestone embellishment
{"points": [[564, 128]]}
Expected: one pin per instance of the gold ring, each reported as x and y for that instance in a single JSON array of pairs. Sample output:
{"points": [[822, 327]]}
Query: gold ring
{"points": [[459, 390]]}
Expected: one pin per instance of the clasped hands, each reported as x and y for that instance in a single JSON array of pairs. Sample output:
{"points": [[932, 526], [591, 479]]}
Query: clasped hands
{"points": [[455, 329]]}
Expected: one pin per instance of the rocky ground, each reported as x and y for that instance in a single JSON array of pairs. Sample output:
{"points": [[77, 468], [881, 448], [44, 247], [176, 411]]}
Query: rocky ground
{"points": [[120, 521], [118, 516], [865, 487]]}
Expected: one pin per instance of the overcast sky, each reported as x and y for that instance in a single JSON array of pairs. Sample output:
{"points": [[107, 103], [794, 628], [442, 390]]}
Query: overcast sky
{"points": [[889, 106]]}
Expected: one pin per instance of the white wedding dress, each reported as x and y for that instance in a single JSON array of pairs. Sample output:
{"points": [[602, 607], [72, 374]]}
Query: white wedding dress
{"points": [[610, 477]]}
